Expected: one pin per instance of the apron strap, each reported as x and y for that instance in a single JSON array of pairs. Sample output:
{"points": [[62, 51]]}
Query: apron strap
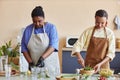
{"points": [[105, 32], [33, 30], [43, 28], [93, 32]]}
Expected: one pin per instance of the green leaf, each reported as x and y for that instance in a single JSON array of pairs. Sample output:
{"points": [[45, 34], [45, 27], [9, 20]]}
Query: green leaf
{"points": [[88, 68], [9, 44], [1, 53], [14, 66], [4, 50]]}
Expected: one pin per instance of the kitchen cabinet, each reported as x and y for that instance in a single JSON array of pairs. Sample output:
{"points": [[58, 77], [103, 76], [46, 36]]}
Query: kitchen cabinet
{"points": [[69, 64]]}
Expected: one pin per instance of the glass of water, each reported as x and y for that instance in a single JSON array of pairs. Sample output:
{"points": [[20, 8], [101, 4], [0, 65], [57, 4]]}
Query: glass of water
{"points": [[3, 61], [34, 73], [7, 70]]}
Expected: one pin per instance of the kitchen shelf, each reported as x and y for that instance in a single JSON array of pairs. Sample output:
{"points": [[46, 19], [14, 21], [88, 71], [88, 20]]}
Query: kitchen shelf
{"points": [[70, 49]]}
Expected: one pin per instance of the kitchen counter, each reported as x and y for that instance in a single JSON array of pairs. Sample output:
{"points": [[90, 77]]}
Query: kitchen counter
{"points": [[70, 49], [93, 77], [22, 78]]}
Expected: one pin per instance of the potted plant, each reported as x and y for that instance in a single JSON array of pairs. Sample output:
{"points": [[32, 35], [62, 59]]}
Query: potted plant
{"points": [[11, 52]]}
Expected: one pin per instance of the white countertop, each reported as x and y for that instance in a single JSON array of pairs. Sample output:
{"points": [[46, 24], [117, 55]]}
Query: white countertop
{"points": [[93, 77], [23, 78], [70, 49]]}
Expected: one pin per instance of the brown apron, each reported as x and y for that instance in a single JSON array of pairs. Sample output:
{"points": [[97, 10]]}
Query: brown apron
{"points": [[97, 51]]}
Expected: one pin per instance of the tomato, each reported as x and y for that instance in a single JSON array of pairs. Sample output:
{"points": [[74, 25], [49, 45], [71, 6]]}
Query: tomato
{"points": [[102, 78]]}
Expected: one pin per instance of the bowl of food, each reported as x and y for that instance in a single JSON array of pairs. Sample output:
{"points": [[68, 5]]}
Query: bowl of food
{"points": [[106, 72], [87, 71]]}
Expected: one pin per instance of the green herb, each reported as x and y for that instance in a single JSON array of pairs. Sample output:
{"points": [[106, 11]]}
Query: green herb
{"points": [[88, 68], [16, 67]]}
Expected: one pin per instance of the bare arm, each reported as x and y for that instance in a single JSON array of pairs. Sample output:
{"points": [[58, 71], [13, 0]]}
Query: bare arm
{"points": [[48, 52], [105, 60], [27, 57], [80, 59], [45, 55], [97, 67]]}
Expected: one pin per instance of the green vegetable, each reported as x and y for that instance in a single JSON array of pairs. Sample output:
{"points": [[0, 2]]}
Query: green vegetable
{"points": [[14, 66], [88, 68]]}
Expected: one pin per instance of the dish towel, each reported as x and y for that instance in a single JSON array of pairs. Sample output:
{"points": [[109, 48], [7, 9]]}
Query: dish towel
{"points": [[117, 22]]}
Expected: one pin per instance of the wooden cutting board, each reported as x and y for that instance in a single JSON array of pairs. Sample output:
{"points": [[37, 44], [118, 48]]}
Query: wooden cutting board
{"points": [[2, 73]]}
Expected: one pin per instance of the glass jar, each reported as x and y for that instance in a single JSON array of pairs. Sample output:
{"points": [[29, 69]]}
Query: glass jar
{"points": [[42, 74], [34, 73]]}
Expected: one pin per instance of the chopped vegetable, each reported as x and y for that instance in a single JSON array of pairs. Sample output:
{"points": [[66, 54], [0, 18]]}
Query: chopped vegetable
{"points": [[88, 68], [106, 72]]}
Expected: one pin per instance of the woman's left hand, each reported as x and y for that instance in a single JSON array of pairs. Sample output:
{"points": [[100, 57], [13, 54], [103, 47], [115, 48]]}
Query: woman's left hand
{"points": [[97, 67], [40, 62]]}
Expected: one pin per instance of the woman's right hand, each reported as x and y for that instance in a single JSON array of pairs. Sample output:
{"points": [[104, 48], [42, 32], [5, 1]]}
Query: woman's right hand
{"points": [[81, 61], [31, 64]]}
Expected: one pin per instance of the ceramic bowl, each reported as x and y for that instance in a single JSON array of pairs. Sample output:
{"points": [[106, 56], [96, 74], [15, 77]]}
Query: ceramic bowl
{"points": [[87, 72]]}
